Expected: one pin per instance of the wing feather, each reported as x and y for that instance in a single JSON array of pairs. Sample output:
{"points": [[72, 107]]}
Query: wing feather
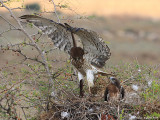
{"points": [[57, 32], [97, 50]]}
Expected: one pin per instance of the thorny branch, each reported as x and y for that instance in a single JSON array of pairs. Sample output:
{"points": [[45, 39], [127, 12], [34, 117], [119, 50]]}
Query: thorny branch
{"points": [[51, 83], [33, 43], [18, 49], [7, 21], [30, 38], [82, 107], [56, 11], [13, 86]]}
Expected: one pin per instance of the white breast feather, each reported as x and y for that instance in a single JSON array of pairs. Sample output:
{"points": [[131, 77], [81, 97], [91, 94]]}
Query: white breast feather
{"points": [[80, 76], [90, 77]]}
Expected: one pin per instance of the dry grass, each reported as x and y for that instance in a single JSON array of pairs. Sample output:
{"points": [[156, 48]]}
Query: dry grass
{"points": [[24, 85]]}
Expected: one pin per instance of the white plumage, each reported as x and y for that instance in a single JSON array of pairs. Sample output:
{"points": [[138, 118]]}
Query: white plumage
{"points": [[96, 52], [90, 78]]}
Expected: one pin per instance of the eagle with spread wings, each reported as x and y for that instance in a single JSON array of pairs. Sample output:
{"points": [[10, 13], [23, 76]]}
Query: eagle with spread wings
{"points": [[87, 59]]}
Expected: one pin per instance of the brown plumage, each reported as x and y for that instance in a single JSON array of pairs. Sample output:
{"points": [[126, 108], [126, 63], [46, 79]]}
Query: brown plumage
{"points": [[86, 59], [76, 53], [114, 91], [62, 35]]}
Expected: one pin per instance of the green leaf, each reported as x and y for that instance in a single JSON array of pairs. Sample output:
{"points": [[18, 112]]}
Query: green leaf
{"points": [[30, 24]]}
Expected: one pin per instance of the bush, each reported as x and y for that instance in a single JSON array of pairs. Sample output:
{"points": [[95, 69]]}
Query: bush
{"points": [[34, 6]]}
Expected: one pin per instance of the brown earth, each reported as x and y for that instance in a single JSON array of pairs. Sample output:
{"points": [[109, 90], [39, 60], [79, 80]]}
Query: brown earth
{"points": [[129, 38], [141, 8]]}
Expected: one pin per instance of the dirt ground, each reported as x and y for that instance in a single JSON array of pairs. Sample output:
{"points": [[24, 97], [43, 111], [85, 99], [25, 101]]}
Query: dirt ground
{"points": [[136, 38], [130, 38], [123, 25], [142, 8]]}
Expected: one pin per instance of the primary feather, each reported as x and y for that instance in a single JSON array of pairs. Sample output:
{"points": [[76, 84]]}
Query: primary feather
{"points": [[55, 31], [96, 51]]}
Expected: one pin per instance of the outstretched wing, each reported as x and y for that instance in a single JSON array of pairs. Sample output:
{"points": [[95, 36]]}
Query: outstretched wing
{"points": [[97, 52], [58, 33]]}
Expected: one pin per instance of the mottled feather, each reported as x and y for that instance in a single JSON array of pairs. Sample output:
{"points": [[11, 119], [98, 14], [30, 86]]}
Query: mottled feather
{"points": [[57, 32], [96, 51]]}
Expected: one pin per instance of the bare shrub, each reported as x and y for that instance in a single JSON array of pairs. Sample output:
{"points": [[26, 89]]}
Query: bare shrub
{"points": [[37, 84]]}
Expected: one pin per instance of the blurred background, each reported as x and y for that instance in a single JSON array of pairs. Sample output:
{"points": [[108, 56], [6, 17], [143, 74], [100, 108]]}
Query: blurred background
{"points": [[131, 28]]}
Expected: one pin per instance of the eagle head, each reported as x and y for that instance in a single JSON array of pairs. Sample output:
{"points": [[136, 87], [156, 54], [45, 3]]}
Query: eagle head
{"points": [[115, 81]]}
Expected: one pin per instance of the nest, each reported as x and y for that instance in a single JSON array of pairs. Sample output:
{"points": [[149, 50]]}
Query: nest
{"points": [[84, 109], [89, 109], [95, 108]]}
